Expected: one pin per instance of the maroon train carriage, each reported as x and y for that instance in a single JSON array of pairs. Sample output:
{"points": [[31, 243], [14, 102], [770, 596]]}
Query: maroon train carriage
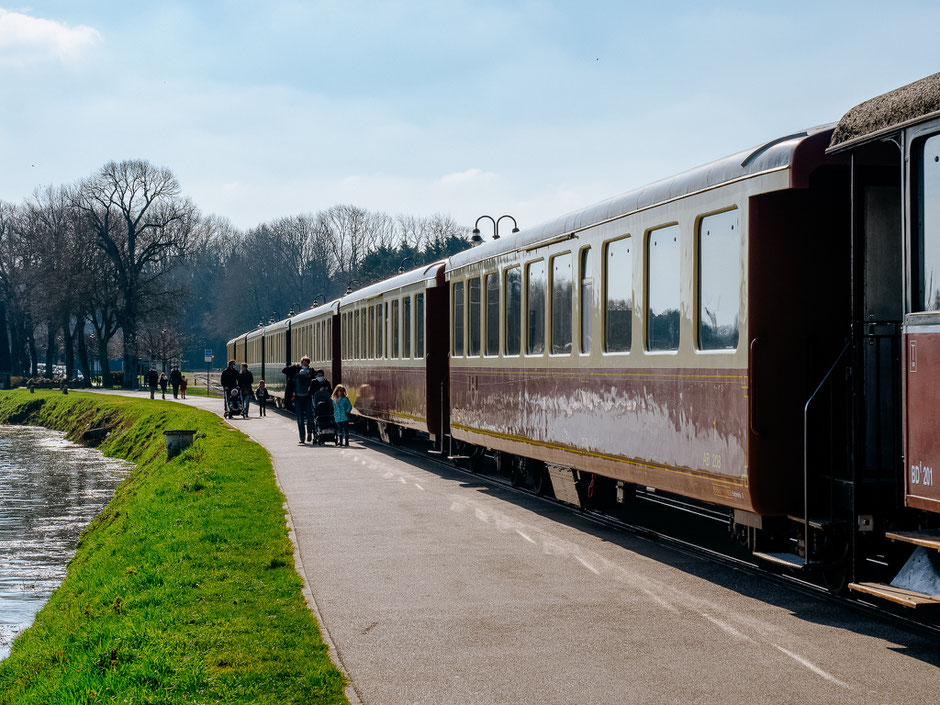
{"points": [[316, 334], [760, 334], [394, 351]]}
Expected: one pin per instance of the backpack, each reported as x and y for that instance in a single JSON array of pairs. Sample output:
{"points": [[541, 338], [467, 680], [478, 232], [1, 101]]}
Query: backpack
{"points": [[302, 382]]}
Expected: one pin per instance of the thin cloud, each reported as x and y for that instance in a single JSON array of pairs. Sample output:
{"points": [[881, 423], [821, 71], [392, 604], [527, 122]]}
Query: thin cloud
{"points": [[25, 39], [463, 177]]}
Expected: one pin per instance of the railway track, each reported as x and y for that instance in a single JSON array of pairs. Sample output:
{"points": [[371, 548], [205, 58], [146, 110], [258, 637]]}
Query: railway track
{"points": [[746, 565]]}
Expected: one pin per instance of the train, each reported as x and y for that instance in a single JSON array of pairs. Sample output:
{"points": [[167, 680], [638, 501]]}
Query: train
{"points": [[758, 336]]}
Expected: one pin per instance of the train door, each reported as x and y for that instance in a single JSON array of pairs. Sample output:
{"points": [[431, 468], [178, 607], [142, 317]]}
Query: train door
{"points": [[877, 317], [922, 322]]}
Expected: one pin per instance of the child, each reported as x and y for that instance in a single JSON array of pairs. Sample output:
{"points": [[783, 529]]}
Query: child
{"points": [[164, 380], [342, 407], [261, 395], [183, 385]]}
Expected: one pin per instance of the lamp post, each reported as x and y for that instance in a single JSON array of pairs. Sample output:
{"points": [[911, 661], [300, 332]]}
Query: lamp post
{"points": [[316, 299], [401, 265], [349, 287], [476, 238]]}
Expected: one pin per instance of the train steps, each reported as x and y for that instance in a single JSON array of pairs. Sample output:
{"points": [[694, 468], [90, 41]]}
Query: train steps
{"points": [[917, 584]]}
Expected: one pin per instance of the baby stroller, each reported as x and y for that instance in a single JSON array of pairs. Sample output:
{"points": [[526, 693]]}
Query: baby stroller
{"points": [[234, 404], [323, 421]]}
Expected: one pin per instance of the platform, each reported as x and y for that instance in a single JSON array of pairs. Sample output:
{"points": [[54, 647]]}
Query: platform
{"points": [[439, 587]]}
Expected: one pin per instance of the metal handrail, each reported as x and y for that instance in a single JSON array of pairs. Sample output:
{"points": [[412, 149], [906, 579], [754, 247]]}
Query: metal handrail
{"points": [[809, 401]]}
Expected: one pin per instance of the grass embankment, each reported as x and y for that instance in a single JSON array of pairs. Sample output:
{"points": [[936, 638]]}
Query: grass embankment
{"points": [[183, 590]]}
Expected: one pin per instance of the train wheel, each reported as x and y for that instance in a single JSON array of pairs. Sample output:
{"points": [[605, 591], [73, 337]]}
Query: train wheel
{"points": [[837, 571], [516, 472], [538, 476]]}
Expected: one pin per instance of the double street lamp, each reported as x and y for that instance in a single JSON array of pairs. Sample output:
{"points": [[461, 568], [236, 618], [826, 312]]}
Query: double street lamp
{"points": [[477, 239]]}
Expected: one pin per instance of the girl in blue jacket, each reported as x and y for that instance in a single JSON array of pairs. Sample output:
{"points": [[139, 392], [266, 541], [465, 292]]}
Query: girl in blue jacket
{"points": [[342, 407]]}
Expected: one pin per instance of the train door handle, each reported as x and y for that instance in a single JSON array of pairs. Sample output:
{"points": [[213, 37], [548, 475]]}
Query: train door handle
{"points": [[750, 387]]}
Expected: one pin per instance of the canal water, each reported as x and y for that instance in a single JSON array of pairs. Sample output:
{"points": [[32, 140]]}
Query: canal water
{"points": [[50, 489]]}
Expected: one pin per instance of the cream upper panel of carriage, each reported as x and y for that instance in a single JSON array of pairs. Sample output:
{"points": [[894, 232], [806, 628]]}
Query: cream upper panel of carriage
{"points": [[663, 287], [311, 334], [387, 330]]}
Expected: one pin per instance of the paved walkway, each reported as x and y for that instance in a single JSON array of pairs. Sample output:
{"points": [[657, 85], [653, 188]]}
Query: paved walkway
{"points": [[437, 587]]}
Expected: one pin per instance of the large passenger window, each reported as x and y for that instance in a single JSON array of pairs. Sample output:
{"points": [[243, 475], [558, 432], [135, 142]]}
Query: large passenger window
{"points": [[419, 326], [535, 308], [473, 333], [406, 327], [370, 352], [662, 312], [618, 288], [379, 327], [394, 335], [928, 227], [356, 335], [719, 281], [492, 314], [458, 306], [513, 304], [561, 304], [587, 299]]}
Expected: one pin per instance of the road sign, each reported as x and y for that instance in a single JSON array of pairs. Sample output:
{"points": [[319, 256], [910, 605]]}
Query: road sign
{"points": [[208, 354]]}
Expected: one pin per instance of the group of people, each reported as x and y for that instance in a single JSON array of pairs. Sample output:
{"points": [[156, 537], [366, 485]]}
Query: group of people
{"points": [[306, 389], [177, 380], [244, 381], [309, 389]]}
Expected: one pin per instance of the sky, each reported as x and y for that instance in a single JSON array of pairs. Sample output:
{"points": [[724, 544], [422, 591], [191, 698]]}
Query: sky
{"points": [[534, 109]]}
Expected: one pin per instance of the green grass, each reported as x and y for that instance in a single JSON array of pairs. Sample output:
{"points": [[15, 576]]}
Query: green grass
{"points": [[183, 590]]}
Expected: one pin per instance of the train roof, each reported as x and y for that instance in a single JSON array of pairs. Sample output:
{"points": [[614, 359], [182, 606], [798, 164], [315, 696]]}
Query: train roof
{"points": [[890, 111], [770, 156], [330, 307], [422, 273]]}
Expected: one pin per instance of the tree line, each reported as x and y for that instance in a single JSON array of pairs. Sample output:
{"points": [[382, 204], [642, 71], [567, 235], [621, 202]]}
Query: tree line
{"points": [[123, 264]]}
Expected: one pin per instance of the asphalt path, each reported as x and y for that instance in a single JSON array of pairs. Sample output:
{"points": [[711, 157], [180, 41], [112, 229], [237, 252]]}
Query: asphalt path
{"points": [[438, 587]]}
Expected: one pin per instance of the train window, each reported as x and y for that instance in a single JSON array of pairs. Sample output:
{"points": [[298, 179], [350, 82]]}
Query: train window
{"points": [[387, 350], [406, 327], [618, 292], [662, 293], [396, 325], [379, 350], [344, 336], [370, 345], [473, 329], [561, 304], [719, 281], [419, 326], [535, 308], [363, 333], [587, 299], [928, 227], [458, 307], [356, 335], [513, 304], [492, 314]]}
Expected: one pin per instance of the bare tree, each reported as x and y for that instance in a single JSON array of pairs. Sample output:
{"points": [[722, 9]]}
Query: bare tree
{"points": [[144, 225]]}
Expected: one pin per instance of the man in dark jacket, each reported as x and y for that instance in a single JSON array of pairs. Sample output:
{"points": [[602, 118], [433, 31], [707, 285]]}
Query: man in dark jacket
{"points": [[229, 379], [303, 407], [289, 373], [176, 378], [245, 380], [153, 379]]}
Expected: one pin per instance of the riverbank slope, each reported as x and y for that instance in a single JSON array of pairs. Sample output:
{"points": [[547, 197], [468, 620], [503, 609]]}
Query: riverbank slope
{"points": [[183, 589]]}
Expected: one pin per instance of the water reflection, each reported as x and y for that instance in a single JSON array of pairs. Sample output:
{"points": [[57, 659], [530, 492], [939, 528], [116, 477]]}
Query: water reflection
{"points": [[50, 489]]}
